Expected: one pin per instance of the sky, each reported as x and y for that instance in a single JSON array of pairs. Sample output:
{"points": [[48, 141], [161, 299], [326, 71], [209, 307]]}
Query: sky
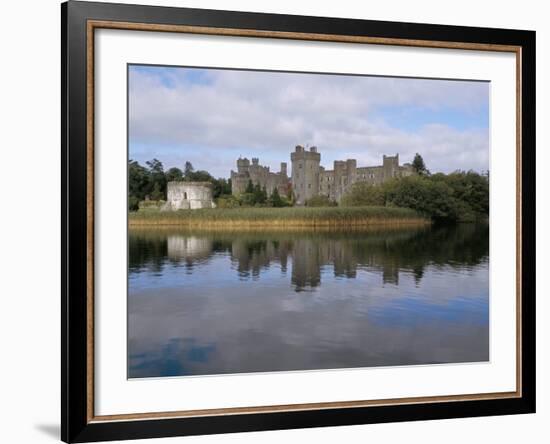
{"points": [[211, 117]]}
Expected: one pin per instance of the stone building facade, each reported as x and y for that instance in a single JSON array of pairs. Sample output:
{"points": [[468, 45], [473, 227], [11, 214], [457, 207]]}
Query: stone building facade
{"points": [[188, 196], [309, 179], [258, 174], [337, 182]]}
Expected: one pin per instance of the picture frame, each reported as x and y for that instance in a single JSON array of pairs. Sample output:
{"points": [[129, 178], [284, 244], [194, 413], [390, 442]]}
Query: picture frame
{"points": [[80, 21]]}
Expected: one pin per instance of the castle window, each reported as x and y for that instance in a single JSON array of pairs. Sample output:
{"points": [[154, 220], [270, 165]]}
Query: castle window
{"points": [[185, 195], [300, 165], [309, 185]]}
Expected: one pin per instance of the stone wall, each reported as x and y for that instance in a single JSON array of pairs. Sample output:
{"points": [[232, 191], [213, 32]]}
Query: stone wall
{"points": [[188, 196], [337, 182]]}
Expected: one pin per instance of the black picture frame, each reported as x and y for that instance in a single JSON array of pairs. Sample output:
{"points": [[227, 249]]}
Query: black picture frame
{"points": [[76, 423]]}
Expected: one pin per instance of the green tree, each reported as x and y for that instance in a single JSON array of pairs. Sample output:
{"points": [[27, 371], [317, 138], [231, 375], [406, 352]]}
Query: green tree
{"points": [[158, 179], [133, 203], [174, 174], [432, 198], [260, 194], [249, 187], [364, 194], [188, 169], [459, 196], [222, 187], [157, 194], [472, 188], [139, 183], [199, 176], [275, 199], [419, 166], [248, 199]]}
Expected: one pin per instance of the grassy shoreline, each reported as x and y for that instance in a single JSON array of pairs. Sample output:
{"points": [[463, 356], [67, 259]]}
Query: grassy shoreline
{"points": [[292, 217]]}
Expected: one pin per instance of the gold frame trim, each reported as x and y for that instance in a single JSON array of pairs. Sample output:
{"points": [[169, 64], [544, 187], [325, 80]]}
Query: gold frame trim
{"points": [[97, 24]]}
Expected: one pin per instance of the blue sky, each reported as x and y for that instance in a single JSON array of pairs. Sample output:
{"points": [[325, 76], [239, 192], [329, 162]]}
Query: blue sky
{"points": [[212, 116]]}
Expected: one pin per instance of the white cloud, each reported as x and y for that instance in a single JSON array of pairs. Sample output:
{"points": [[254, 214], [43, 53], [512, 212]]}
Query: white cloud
{"points": [[267, 114]]}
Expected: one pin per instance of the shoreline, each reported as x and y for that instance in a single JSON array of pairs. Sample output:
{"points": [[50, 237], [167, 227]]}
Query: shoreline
{"points": [[281, 218]]}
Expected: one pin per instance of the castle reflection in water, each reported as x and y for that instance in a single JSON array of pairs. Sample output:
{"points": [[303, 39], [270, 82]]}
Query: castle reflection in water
{"points": [[306, 256]]}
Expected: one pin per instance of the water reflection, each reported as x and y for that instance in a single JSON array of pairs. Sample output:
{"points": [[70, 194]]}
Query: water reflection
{"points": [[228, 302]]}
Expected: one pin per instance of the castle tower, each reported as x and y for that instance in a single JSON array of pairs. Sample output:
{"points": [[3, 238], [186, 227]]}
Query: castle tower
{"points": [[340, 176], [243, 165], [305, 173], [390, 166]]}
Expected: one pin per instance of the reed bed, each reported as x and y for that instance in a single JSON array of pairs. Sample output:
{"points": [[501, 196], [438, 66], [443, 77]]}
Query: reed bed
{"points": [[251, 218]]}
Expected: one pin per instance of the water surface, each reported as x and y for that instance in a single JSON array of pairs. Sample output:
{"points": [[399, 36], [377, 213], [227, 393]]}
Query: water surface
{"points": [[231, 302]]}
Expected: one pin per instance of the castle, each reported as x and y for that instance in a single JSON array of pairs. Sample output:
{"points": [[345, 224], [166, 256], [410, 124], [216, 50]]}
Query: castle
{"points": [[309, 179]]}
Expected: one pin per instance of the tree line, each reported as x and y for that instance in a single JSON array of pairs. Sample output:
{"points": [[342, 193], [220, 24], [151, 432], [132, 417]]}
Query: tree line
{"points": [[458, 196]]}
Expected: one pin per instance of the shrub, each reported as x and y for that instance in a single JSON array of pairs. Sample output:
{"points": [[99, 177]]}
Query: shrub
{"points": [[227, 202], [320, 201], [151, 205], [460, 196], [364, 194], [133, 203]]}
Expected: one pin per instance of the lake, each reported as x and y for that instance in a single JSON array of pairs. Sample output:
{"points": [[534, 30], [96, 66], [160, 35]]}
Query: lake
{"points": [[219, 302]]}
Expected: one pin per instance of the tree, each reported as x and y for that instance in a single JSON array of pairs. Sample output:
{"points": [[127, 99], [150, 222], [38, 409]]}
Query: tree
{"points": [[249, 187], [188, 169], [471, 188], [275, 198], [157, 194], [199, 176], [222, 187], [418, 165], [174, 174], [364, 194], [133, 203], [433, 198], [260, 194], [139, 183], [158, 179]]}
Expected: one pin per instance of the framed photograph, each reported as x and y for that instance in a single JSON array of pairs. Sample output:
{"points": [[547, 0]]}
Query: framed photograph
{"points": [[275, 221]]}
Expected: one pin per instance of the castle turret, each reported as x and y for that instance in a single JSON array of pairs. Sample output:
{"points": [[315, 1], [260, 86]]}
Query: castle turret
{"points": [[243, 165], [305, 173], [390, 165], [283, 169], [351, 166]]}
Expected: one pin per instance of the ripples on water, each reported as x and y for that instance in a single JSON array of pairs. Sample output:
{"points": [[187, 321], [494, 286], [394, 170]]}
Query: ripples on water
{"points": [[231, 302]]}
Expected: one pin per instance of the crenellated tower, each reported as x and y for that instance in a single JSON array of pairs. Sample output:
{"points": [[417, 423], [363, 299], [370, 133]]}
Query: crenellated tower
{"points": [[305, 173]]}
